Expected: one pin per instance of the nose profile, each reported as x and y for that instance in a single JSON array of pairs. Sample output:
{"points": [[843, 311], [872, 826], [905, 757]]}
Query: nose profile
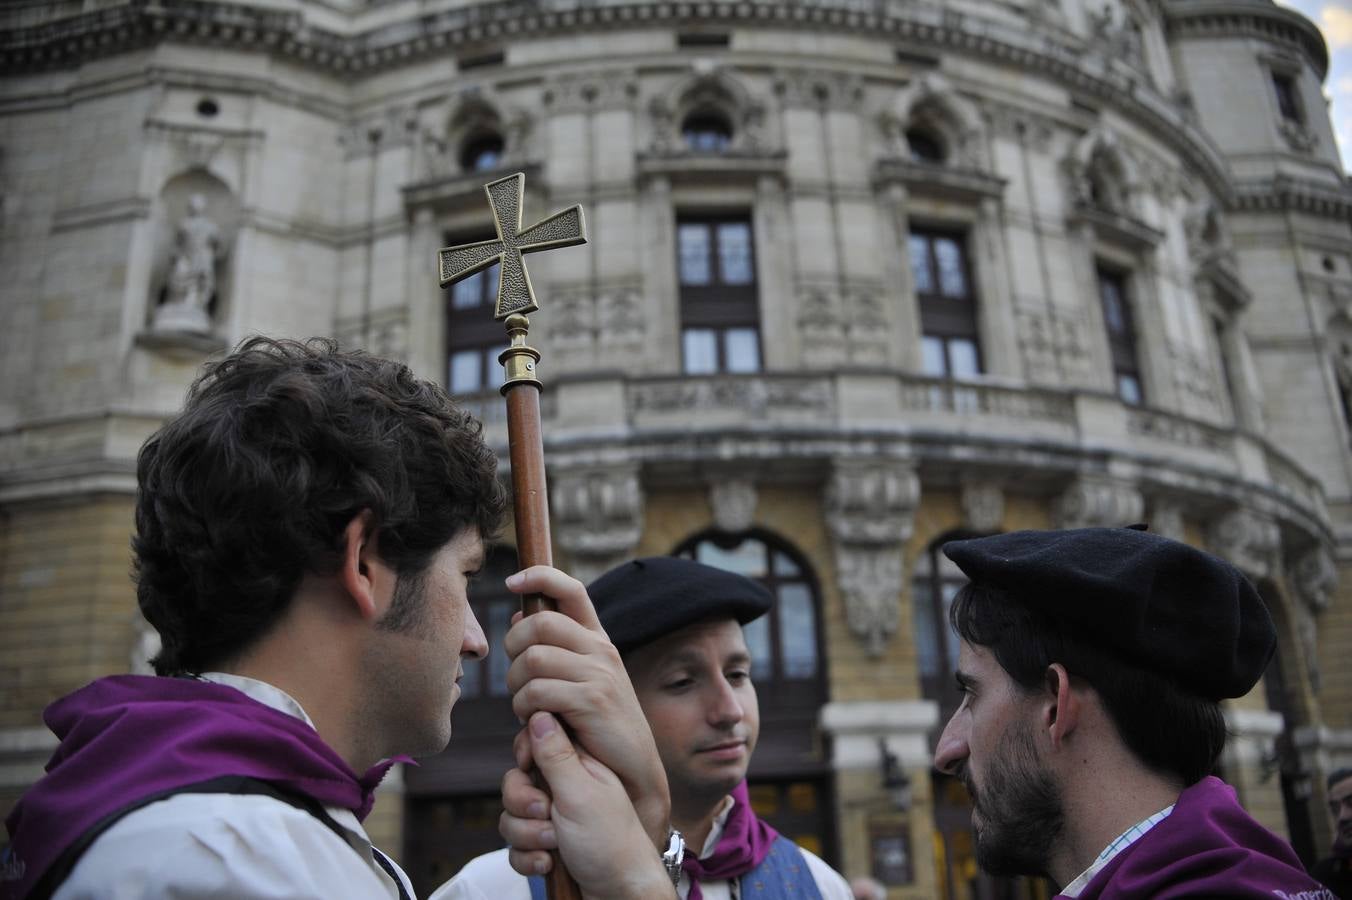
{"points": [[951, 750], [475, 643], [726, 709]]}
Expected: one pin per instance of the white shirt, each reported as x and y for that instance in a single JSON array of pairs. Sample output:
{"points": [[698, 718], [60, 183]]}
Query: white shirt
{"points": [[491, 876], [231, 845], [1116, 846]]}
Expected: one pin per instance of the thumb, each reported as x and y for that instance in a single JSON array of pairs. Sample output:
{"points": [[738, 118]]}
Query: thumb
{"points": [[554, 754]]}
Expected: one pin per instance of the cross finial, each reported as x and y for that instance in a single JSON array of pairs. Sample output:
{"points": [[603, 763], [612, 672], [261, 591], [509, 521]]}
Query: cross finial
{"points": [[516, 296]]}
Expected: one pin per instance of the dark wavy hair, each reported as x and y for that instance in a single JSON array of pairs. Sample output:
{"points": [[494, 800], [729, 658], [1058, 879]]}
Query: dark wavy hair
{"points": [[279, 446], [1170, 730]]}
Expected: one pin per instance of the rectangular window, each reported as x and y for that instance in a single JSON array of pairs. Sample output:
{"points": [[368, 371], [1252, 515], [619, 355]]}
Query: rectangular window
{"points": [[720, 307], [1288, 97], [1117, 319], [949, 345], [473, 338]]}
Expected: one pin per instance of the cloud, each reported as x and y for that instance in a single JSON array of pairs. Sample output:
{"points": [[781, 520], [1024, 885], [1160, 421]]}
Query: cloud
{"points": [[1343, 85], [1336, 23]]}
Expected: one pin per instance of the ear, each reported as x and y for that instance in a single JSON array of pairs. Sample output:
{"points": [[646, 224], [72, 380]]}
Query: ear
{"points": [[362, 570], [1062, 705]]}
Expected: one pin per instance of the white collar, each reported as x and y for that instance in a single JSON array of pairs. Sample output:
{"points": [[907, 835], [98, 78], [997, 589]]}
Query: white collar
{"points": [[716, 831], [264, 693], [1116, 846], [278, 699]]}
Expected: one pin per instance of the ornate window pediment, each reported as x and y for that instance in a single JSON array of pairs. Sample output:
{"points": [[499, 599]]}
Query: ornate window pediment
{"points": [[708, 125], [932, 141]]}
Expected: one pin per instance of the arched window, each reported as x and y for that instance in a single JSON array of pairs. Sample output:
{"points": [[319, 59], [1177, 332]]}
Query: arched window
{"points": [[783, 643], [925, 146], [707, 131], [481, 153]]}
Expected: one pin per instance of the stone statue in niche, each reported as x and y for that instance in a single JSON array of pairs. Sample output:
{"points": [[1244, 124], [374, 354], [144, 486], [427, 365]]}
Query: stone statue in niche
{"points": [[198, 249]]}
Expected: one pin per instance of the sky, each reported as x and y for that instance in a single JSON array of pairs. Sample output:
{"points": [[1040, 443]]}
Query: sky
{"points": [[1334, 18]]}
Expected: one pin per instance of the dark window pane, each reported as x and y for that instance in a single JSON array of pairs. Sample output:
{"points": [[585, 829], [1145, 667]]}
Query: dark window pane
{"points": [[932, 360], [466, 371], [1114, 311], [952, 278], [783, 564], [468, 292], [699, 348], [1129, 388], [962, 358], [797, 636], [927, 654], [496, 374], [734, 253], [741, 349], [482, 153], [757, 634], [694, 253], [924, 146], [499, 620], [707, 133], [920, 264], [1287, 102]]}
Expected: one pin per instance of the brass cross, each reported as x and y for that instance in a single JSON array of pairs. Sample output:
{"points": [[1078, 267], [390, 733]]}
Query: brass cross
{"points": [[516, 296]]}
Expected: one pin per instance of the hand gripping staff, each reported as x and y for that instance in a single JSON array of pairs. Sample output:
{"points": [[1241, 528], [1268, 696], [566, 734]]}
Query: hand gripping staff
{"points": [[521, 386]]}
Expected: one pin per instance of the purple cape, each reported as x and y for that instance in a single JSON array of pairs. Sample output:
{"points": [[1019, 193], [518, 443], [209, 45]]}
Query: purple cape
{"points": [[129, 737], [1207, 847], [744, 845]]}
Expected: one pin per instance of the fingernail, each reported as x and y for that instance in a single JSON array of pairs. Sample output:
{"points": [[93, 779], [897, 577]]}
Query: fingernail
{"points": [[547, 838], [536, 810], [542, 865], [514, 581], [542, 725]]}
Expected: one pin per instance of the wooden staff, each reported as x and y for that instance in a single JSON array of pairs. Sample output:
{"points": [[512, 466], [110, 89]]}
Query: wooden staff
{"points": [[521, 386]]}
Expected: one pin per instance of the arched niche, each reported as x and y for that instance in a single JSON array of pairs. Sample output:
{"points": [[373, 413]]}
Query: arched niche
{"points": [[707, 112], [220, 206], [930, 110]]}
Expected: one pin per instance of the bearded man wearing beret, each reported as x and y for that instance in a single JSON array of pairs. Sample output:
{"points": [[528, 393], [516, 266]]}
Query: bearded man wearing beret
{"points": [[677, 624], [1092, 666]]}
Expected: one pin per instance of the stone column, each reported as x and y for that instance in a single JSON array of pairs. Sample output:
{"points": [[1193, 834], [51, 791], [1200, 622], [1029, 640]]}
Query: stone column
{"points": [[870, 511]]}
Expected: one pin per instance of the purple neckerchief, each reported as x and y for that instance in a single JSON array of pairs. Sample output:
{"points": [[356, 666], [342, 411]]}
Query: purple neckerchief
{"points": [[128, 737], [744, 845], [1207, 847]]}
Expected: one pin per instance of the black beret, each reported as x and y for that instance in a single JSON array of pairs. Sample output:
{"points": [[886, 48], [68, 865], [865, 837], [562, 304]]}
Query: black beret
{"points": [[1157, 603], [645, 599]]}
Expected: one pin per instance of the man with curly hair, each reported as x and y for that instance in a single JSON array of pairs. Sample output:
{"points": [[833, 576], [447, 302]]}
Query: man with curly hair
{"points": [[305, 530]]}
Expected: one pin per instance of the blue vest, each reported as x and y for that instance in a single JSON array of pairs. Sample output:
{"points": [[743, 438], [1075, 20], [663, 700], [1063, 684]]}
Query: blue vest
{"points": [[782, 875]]}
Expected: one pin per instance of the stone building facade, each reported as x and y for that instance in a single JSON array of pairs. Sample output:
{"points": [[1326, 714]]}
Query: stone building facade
{"points": [[863, 275]]}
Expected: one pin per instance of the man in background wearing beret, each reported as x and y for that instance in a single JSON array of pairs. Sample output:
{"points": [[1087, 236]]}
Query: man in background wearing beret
{"points": [[1336, 871], [1092, 665], [677, 625]]}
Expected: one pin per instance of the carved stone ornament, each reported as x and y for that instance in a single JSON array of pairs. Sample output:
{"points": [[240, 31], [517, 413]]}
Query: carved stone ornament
{"points": [[1166, 520], [1094, 501], [870, 580], [983, 506], [598, 515], [1249, 540], [1316, 577], [872, 502], [870, 510], [734, 504]]}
